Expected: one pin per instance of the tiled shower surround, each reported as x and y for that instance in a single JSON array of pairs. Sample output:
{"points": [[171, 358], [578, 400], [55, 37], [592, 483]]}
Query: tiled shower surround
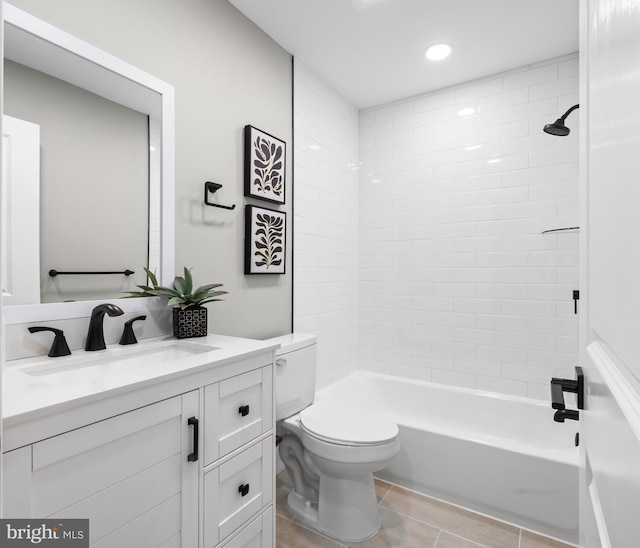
{"points": [[456, 282], [325, 293]]}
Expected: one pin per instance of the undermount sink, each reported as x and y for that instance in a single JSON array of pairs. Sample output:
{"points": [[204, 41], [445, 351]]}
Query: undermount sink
{"points": [[87, 365]]}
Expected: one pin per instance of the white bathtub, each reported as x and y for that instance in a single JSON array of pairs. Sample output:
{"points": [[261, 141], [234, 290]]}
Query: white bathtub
{"points": [[501, 456]]}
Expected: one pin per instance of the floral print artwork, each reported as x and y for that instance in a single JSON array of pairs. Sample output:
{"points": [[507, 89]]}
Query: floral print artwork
{"points": [[264, 166], [264, 240], [269, 240]]}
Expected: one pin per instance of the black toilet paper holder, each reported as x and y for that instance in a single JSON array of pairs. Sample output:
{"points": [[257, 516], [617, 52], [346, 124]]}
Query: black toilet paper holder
{"points": [[210, 187]]}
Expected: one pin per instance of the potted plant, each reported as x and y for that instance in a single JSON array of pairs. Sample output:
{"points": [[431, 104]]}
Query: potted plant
{"points": [[189, 316]]}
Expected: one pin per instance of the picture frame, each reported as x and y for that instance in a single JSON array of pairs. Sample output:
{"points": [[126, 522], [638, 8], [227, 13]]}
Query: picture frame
{"points": [[264, 240], [264, 165]]}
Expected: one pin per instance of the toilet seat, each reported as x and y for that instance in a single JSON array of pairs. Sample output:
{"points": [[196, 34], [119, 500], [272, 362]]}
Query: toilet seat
{"points": [[347, 425]]}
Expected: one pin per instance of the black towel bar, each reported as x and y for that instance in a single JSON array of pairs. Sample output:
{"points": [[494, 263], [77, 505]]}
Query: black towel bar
{"points": [[53, 273]]}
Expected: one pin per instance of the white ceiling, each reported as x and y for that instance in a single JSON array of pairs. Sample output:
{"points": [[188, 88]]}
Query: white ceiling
{"points": [[371, 51]]}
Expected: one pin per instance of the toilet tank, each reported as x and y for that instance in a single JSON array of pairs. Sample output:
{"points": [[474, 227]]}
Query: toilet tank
{"points": [[295, 373]]}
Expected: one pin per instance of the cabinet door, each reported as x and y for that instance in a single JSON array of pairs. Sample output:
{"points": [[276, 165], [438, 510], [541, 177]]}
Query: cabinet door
{"points": [[16, 483], [128, 474]]}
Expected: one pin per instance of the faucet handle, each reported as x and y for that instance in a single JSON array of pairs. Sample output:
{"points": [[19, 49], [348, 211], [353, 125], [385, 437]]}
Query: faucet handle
{"points": [[59, 346], [128, 336]]}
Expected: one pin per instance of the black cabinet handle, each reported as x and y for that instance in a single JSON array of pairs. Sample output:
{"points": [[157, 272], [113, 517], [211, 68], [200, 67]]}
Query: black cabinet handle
{"points": [[192, 457], [244, 489], [243, 410]]}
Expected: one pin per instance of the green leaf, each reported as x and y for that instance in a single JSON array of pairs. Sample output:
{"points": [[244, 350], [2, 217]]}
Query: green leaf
{"points": [[209, 301], [199, 295], [176, 301], [180, 285], [207, 287], [188, 280], [143, 287], [165, 292], [152, 277]]}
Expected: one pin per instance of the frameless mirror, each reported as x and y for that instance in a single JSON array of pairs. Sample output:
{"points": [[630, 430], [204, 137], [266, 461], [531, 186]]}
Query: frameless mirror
{"points": [[35, 49]]}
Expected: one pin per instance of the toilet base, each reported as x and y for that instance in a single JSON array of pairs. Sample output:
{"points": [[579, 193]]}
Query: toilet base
{"points": [[347, 507]]}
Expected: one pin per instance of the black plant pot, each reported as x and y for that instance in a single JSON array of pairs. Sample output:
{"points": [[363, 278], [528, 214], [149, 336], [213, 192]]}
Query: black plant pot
{"points": [[190, 322]]}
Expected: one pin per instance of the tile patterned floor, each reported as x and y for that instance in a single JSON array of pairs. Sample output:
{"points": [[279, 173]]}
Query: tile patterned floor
{"points": [[410, 520]]}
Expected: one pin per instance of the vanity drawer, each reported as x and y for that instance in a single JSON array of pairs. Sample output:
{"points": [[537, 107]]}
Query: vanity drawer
{"points": [[258, 534], [237, 490], [236, 411]]}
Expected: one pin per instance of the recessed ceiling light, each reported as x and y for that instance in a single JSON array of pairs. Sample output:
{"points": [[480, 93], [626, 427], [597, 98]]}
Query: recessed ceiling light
{"points": [[438, 52], [363, 4]]}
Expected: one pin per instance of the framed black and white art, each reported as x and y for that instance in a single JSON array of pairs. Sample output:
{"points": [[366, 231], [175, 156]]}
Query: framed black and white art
{"points": [[264, 165], [264, 240]]}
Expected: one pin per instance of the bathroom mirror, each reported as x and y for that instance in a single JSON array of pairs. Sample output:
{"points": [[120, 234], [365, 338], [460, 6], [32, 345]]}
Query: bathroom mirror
{"points": [[37, 45]]}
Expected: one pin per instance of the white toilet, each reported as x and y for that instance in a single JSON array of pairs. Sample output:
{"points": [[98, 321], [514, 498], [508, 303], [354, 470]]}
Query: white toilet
{"points": [[330, 450]]}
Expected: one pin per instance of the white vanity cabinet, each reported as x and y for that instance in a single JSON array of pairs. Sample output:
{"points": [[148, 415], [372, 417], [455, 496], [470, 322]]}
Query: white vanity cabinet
{"points": [[193, 469], [127, 474]]}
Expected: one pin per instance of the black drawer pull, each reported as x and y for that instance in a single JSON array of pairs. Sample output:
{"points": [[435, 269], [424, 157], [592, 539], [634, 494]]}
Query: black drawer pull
{"points": [[244, 489], [192, 457], [243, 410]]}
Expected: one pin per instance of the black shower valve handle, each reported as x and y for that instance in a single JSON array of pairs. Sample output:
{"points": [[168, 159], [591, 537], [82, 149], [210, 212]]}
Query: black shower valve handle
{"points": [[558, 387], [59, 347]]}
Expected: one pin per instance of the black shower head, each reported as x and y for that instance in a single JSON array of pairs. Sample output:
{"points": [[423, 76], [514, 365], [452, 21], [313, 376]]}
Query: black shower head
{"points": [[558, 128]]}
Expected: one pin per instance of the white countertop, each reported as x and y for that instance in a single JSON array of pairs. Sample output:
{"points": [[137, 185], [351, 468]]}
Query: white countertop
{"points": [[37, 387]]}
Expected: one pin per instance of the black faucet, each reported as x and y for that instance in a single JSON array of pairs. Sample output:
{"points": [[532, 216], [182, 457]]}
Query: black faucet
{"points": [[95, 335]]}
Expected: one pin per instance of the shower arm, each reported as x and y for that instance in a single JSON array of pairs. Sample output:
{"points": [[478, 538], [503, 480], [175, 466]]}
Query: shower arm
{"points": [[564, 116]]}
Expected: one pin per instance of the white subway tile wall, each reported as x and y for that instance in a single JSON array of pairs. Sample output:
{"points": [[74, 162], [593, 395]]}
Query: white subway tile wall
{"points": [[418, 245], [326, 223], [457, 284]]}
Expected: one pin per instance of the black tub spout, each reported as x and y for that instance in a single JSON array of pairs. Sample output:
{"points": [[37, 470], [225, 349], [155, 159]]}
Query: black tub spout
{"points": [[561, 414]]}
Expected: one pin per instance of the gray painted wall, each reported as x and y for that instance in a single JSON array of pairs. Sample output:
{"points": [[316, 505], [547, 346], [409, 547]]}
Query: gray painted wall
{"points": [[227, 73]]}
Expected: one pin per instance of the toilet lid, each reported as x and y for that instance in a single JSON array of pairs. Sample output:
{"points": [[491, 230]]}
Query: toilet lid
{"points": [[347, 425]]}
